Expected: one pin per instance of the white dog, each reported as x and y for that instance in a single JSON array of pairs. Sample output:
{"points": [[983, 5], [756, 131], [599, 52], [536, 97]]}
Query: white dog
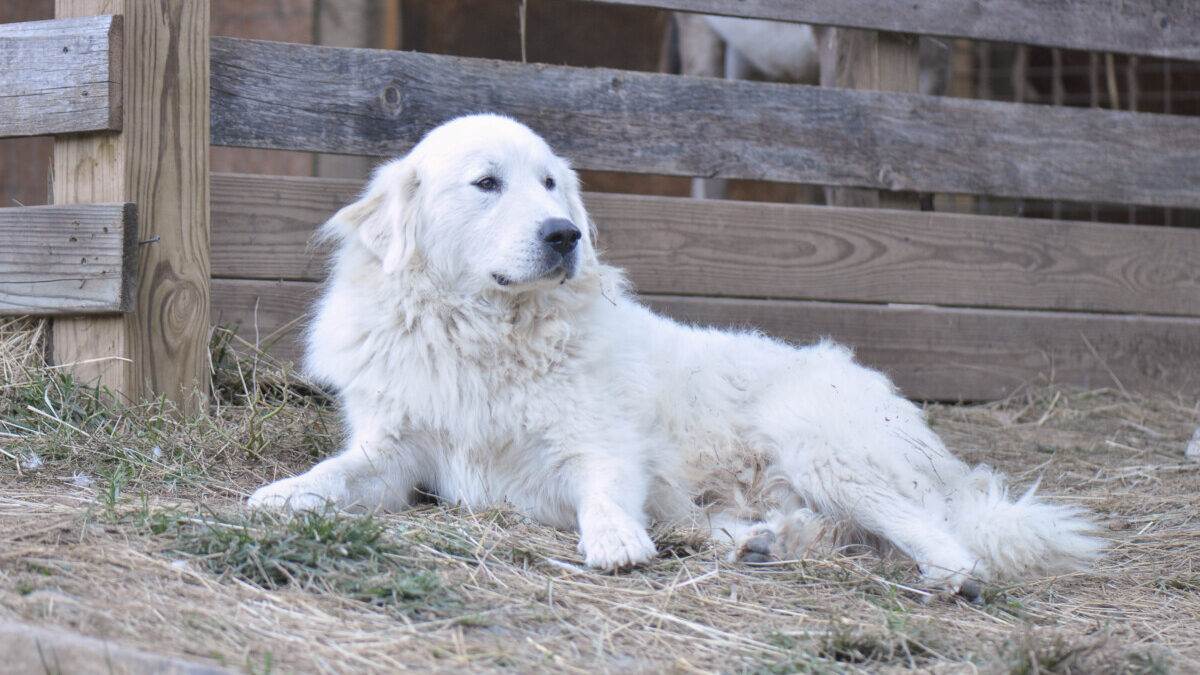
{"points": [[483, 353]]}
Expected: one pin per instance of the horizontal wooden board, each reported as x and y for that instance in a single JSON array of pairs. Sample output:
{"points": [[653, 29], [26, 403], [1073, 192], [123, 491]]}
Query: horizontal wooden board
{"points": [[67, 259], [262, 225], [270, 314], [1167, 28], [932, 353], [359, 101], [60, 76]]}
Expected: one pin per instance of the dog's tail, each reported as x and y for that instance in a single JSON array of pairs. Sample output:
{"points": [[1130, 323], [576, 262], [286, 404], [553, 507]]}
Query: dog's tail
{"points": [[1021, 537]]}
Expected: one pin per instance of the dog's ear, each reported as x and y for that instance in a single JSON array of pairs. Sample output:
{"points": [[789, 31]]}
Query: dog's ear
{"points": [[383, 219]]}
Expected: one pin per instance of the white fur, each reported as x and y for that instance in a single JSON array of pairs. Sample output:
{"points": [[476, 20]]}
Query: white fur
{"points": [[567, 399], [781, 51]]}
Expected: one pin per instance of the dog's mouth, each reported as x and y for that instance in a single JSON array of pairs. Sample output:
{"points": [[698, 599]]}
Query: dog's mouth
{"points": [[561, 271]]}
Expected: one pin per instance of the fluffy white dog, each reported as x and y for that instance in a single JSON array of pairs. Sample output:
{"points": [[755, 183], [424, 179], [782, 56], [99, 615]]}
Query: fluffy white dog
{"points": [[483, 353]]}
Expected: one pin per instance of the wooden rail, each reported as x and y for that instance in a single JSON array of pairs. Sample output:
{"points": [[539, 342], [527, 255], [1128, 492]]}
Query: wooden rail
{"points": [[60, 260], [785, 260], [934, 353], [1166, 28], [262, 226], [299, 97], [60, 76]]}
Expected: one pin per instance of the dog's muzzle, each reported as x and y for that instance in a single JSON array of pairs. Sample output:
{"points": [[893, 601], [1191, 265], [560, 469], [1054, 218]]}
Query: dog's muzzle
{"points": [[559, 237]]}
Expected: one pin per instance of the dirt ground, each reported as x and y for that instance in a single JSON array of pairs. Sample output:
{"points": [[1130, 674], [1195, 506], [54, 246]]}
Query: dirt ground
{"points": [[125, 522]]}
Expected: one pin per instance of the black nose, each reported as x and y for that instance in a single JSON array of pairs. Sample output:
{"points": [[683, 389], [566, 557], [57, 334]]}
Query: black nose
{"points": [[560, 235]]}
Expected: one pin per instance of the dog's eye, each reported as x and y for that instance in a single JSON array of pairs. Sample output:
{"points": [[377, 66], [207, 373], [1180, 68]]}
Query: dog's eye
{"points": [[488, 184], [549, 183]]}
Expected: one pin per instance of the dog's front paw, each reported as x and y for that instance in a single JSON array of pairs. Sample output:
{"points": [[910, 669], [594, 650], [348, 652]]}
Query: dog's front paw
{"points": [[292, 494], [617, 545]]}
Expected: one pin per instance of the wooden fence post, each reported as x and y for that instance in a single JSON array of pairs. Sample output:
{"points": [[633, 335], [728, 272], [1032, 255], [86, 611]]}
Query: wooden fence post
{"points": [[159, 161], [867, 59]]}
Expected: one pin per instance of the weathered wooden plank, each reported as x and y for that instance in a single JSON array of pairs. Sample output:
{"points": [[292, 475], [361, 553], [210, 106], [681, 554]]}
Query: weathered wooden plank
{"points": [[269, 314], [1167, 28], [280, 21], [160, 162], [867, 59], [933, 353], [273, 95], [25, 162], [36, 649], [60, 260], [349, 23], [262, 225], [60, 76]]}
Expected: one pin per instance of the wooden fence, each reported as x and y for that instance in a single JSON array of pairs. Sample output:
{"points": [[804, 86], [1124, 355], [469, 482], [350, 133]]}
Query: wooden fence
{"points": [[953, 306]]}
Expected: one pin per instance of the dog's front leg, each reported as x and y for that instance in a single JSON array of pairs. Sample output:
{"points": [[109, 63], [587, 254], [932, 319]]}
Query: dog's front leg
{"points": [[375, 471], [610, 499]]}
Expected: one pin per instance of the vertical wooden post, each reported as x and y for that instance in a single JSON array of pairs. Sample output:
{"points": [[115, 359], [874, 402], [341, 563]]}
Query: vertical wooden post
{"points": [[160, 162], [867, 59]]}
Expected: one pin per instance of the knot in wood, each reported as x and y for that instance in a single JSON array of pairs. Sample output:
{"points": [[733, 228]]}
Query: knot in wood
{"points": [[391, 100]]}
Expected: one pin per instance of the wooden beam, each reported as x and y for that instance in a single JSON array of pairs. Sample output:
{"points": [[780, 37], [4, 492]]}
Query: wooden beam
{"points": [[61, 260], [159, 162], [262, 226], [933, 353], [874, 61], [371, 102], [60, 76], [33, 649], [1166, 28]]}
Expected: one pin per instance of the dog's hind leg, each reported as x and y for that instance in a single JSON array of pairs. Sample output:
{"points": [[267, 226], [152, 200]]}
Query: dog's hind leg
{"points": [[919, 533]]}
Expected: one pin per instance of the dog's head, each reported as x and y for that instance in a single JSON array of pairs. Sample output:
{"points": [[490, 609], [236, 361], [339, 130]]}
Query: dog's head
{"points": [[482, 202]]}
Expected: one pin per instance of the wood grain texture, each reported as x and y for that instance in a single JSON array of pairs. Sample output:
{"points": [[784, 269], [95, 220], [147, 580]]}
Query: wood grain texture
{"points": [[349, 23], [272, 95], [1166, 28], [867, 59], [262, 226], [932, 353], [281, 21], [29, 648], [60, 76], [25, 162], [159, 162], [60, 260]]}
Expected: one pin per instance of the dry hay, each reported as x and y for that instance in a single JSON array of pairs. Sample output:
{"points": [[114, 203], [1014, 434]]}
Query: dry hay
{"points": [[125, 522]]}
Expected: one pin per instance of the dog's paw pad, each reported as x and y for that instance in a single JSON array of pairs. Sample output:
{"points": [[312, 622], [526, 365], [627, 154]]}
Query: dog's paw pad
{"points": [[757, 548], [959, 583], [971, 590]]}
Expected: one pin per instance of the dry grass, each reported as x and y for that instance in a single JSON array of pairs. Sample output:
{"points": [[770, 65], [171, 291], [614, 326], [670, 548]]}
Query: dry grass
{"points": [[125, 522]]}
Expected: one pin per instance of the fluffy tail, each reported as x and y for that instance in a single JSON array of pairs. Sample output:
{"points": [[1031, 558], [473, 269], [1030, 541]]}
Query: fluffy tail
{"points": [[1025, 537]]}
